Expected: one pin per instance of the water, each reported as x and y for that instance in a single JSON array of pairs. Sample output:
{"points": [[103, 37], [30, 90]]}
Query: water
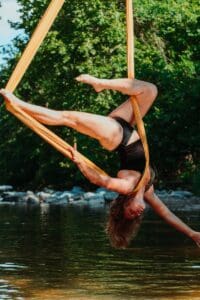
{"points": [[62, 253]]}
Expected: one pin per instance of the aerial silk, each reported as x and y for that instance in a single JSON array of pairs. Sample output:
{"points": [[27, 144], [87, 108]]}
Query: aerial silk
{"points": [[131, 74], [24, 62]]}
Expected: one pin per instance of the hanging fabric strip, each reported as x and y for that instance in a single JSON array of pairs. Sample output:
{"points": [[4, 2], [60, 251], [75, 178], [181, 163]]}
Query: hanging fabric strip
{"points": [[34, 43], [131, 74]]}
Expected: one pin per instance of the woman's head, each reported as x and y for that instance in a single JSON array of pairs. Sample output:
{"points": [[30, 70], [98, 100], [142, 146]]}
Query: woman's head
{"points": [[122, 225]]}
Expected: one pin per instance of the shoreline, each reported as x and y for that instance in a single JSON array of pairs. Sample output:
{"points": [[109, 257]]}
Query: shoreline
{"points": [[177, 200]]}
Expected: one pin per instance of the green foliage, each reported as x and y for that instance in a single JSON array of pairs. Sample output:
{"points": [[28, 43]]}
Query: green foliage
{"points": [[90, 37]]}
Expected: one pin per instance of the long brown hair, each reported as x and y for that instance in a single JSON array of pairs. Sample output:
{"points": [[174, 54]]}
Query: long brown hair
{"points": [[121, 230]]}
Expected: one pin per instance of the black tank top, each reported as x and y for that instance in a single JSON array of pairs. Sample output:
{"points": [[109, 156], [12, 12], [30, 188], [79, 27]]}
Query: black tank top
{"points": [[131, 156]]}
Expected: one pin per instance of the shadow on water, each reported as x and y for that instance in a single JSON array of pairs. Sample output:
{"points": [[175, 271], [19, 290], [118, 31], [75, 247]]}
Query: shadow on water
{"points": [[61, 252]]}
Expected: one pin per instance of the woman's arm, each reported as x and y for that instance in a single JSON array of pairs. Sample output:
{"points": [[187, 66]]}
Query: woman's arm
{"points": [[164, 212], [120, 185]]}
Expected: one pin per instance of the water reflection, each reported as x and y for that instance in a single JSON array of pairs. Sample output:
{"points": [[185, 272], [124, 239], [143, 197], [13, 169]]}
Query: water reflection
{"points": [[62, 253]]}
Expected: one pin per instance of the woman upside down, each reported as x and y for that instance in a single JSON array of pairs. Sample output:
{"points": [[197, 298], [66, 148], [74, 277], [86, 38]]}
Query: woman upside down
{"points": [[115, 133]]}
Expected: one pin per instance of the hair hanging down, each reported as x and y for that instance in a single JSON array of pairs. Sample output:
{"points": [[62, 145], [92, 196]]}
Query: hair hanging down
{"points": [[119, 229]]}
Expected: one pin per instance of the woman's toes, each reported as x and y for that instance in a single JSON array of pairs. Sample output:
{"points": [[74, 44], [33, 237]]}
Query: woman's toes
{"points": [[85, 78], [95, 82]]}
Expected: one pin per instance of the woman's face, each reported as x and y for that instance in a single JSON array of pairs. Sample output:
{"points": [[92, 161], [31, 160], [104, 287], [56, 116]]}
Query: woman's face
{"points": [[133, 209]]}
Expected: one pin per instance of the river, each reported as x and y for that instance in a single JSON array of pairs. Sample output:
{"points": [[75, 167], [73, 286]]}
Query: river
{"points": [[61, 252]]}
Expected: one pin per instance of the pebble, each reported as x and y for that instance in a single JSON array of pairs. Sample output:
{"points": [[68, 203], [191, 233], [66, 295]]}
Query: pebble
{"points": [[31, 198], [12, 196], [181, 194], [5, 188]]}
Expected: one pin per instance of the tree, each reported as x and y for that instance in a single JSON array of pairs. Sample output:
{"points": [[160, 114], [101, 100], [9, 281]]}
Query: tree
{"points": [[89, 37]]}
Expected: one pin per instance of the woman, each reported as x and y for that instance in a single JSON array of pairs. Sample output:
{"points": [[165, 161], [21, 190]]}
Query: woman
{"points": [[115, 133]]}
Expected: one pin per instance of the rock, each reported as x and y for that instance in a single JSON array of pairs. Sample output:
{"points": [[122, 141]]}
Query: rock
{"points": [[59, 197], [57, 201], [89, 195], [31, 198], [44, 196], [189, 208], [5, 188], [101, 191], [47, 190], [77, 197], [51, 200], [66, 194], [80, 203], [186, 194], [57, 194], [77, 194], [162, 193], [179, 194], [62, 197], [110, 196], [77, 190], [13, 196], [96, 203], [97, 198], [54, 197]]}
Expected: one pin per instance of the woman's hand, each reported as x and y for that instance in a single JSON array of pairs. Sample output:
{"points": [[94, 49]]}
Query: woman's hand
{"points": [[75, 156], [196, 238], [86, 170]]}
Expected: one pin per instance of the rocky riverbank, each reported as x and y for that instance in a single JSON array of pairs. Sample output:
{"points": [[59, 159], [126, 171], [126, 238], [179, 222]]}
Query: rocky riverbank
{"points": [[179, 200], [76, 195]]}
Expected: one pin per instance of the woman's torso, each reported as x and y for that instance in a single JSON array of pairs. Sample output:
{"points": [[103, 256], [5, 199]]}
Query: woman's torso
{"points": [[130, 150]]}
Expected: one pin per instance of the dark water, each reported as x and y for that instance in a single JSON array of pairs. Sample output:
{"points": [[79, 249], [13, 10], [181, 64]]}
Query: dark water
{"points": [[62, 253]]}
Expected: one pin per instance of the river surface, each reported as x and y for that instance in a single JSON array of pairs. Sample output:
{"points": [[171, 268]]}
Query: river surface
{"points": [[61, 252]]}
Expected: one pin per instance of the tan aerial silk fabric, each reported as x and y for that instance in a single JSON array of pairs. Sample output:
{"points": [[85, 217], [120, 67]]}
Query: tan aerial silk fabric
{"points": [[35, 42], [131, 74], [25, 60]]}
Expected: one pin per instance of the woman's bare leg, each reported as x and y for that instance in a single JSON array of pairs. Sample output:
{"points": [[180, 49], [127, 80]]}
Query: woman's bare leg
{"points": [[144, 92], [123, 85], [105, 129], [127, 86], [144, 100]]}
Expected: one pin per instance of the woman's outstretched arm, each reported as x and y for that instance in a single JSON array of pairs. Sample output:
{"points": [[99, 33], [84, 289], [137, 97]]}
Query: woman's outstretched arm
{"points": [[163, 211], [131, 87]]}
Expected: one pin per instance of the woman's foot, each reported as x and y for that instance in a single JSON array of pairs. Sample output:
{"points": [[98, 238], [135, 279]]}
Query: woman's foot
{"points": [[124, 85], [91, 80]]}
